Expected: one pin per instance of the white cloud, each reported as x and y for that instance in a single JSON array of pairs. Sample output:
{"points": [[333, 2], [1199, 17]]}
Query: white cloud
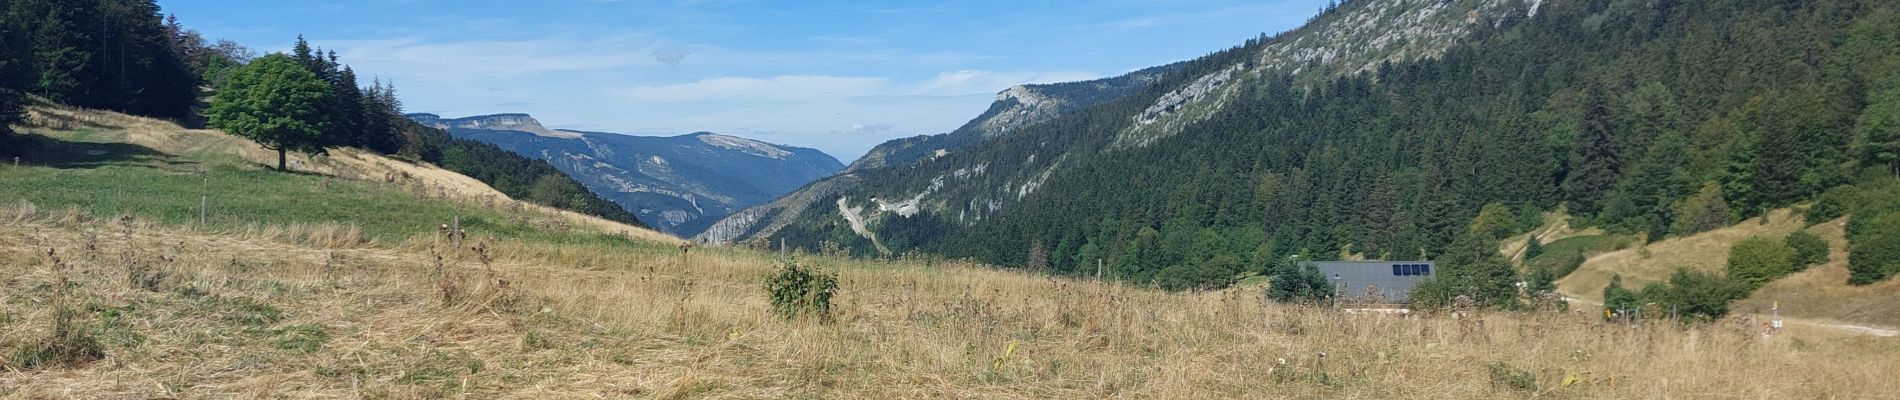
{"points": [[507, 57], [826, 87]]}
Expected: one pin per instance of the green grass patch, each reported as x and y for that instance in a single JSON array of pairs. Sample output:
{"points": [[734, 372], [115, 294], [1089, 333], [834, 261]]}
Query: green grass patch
{"points": [[1563, 256], [304, 338], [113, 178]]}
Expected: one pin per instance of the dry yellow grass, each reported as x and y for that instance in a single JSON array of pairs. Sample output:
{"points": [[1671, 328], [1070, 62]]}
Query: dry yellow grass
{"points": [[1704, 252], [591, 321], [1817, 296], [1821, 292]]}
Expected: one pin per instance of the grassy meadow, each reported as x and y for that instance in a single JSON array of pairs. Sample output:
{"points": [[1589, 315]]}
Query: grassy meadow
{"points": [[320, 286]]}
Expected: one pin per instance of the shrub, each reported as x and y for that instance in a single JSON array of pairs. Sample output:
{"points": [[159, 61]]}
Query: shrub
{"points": [[1756, 260], [798, 291], [1875, 250], [1704, 211], [1512, 377], [1494, 221], [1472, 267], [1618, 299], [1809, 250], [1835, 203], [1695, 296], [1299, 284]]}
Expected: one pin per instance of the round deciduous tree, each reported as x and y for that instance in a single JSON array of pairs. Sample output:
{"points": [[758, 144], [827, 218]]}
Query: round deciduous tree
{"points": [[273, 101], [1757, 260]]}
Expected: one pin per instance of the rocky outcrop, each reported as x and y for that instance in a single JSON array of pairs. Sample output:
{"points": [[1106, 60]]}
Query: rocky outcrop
{"points": [[494, 122]]}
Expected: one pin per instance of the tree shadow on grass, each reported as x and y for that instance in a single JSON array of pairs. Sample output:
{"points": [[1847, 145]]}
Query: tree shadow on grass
{"points": [[57, 153]]}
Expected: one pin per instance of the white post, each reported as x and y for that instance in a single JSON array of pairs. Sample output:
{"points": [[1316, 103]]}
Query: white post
{"points": [[1777, 315], [204, 201]]}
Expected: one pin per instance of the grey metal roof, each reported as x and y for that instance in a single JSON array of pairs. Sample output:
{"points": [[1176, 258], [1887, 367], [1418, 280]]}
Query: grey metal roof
{"points": [[1393, 279]]}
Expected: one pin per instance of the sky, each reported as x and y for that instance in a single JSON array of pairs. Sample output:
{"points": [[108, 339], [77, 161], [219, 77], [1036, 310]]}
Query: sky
{"points": [[837, 76]]}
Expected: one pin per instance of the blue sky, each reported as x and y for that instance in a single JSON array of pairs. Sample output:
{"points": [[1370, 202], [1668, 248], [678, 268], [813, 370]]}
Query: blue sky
{"points": [[837, 76]]}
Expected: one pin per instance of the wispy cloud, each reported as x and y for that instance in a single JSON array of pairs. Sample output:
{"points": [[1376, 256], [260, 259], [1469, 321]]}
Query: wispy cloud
{"points": [[789, 87], [824, 87], [508, 57]]}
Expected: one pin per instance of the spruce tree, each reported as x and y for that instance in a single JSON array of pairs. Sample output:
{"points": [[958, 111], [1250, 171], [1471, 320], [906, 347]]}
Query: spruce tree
{"points": [[61, 67], [1596, 164], [14, 69], [1645, 201], [1879, 127], [346, 110]]}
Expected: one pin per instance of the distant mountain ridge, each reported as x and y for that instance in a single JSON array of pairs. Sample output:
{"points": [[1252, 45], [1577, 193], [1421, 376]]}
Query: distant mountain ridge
{"points": [[678, 184]]}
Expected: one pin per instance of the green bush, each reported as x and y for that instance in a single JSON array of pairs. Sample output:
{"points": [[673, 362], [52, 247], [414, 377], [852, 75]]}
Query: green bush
{"points": [[798, 291], [1809, 250], [1472, 267], [1705, 211], [1875, 250], [1512, 377], [1757, 260], [1299, 284], [1618, 299], [1835, 203], [1495, 221], [1694, 296]]}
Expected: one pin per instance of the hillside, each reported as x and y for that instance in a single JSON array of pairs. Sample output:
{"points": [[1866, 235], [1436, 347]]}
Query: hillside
{"points": [[103, 155], [1820, 293], [1381, 128], [314, 285], [678, 184], [1015, 108]]}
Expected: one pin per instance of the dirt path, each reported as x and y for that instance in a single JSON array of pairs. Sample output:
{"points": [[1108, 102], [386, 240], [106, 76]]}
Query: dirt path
{"points": [[857, 224], [1880, 331]]}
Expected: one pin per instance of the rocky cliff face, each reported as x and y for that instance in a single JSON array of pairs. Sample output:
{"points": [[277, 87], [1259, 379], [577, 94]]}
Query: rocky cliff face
{"points": [[495, 122], [679, 184]]}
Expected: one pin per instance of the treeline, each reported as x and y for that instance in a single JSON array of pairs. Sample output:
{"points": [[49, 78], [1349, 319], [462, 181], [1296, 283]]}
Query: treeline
{"points": [[1656, 119], [108, 54], [123, 55]]}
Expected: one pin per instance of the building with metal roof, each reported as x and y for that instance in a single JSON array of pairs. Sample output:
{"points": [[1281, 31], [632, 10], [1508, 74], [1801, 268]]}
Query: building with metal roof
{"points": [[1375, 281]]}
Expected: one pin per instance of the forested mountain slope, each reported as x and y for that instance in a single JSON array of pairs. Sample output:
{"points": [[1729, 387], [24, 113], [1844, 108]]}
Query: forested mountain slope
{"points": [[679, 184], [1637, 116]]}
